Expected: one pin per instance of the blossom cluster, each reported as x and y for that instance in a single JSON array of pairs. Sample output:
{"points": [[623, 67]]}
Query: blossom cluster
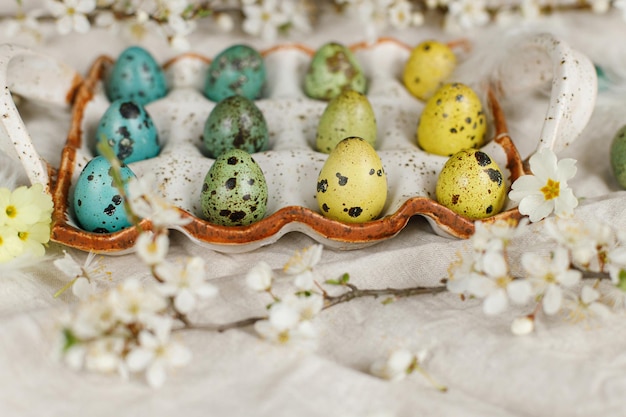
{"points": [[553, 282], [175, 20], [128, 329], [25, 218], [290, 317]]}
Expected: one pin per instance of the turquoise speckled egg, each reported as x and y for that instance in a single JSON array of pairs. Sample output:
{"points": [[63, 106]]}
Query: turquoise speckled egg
{"points": [[333, 69], [129, 130], [98, 205], [136, 76], [238, 70], [235, 123], [234, 192], [618, 156]]}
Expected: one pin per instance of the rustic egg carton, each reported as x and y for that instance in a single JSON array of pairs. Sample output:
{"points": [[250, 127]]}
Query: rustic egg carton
{"points": [[291, 164]]}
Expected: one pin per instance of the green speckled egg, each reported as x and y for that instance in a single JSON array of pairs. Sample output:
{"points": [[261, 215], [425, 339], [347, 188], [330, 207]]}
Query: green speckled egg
{"points": [[352, 184], [348, 114], [235, 123], [98, 206], [472, 185], [238, 70], [333, 69], [136, 76], [618, 156], [428, 67], [234, 192], [452, 120]]}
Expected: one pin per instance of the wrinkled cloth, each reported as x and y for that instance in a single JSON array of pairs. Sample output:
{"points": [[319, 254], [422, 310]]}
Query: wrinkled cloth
{"points": [[563, 369]]}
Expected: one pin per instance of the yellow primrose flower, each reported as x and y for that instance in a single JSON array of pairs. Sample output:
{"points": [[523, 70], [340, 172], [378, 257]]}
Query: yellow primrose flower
{"points": [[10, 244], [24, 206], [34, 237]]}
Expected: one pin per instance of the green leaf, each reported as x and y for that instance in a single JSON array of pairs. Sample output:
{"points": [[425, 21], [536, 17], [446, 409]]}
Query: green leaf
{"points": [[622, 280], [332, 282], [70, 339], [345, 278]]}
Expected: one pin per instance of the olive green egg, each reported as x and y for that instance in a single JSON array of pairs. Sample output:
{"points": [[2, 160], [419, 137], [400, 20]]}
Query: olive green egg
{"points": [[234, 192], [332, 70], [348, 114], [452, 120], [430, 64], [235, 122], [618, 156], [352, 184], [472, 185]]}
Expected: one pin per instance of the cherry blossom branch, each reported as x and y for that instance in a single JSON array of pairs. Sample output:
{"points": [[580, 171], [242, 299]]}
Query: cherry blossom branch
{"points": [[329, 301]]}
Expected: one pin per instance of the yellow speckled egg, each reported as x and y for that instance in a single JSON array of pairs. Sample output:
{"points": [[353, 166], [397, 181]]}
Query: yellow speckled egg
{"points": [[471, 184], [428, 67], [348, 114], [452, 120], [352, 184]]}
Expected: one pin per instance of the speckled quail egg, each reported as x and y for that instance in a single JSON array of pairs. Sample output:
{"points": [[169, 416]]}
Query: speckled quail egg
{"points": [[352, 184], [234, 192], [136, 76], [428, 67], [129, 130], [238, 70], [618, 156], [98, 205], [235, 123], [348, 114], [333, 69], [452, 120], [472, 185]]}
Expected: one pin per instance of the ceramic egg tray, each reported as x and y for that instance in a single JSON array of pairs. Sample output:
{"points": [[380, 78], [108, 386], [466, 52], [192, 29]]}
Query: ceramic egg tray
{"points": [[291, 164]]}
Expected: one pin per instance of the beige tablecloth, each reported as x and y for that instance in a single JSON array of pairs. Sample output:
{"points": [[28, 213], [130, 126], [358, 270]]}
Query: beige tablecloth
{"points": [[562, 369]]}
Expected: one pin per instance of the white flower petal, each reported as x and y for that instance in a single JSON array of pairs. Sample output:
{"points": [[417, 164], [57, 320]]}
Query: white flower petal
{"points": [[184, 301], [259, 277], [155, 375], [519, 291], [496, 302], [588, 294], [552, 299], [138, 359]]}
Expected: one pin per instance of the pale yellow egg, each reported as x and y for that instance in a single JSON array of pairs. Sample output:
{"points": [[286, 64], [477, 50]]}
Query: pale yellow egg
{"points": [[452, 120], [352, 184], [430, 64], [471, 184]]}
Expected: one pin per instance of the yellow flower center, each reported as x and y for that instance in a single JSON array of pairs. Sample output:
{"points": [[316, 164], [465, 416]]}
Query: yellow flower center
{"points": [[1, 241], [71, 11], [23, 235], [11, 211], [283, 337], [551, 189]]}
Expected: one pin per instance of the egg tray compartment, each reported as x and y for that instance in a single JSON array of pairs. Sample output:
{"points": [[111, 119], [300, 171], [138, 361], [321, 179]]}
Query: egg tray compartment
{"points": [[291, 165]]}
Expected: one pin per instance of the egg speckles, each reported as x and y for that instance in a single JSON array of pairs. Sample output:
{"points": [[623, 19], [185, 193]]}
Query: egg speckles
{"points": [[427, 68], [136, 76], [333, 69], [129, 130], [235, 123], [352, 184], [452, 120], [98, 205], [234, 192], [348, 114], [472, 185], [238, 70]]}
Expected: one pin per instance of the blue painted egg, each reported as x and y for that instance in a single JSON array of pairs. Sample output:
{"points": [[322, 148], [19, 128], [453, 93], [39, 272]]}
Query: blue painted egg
{"points": [[98, 206], [136, 76], [129, 130], [235, 123], [238, 70]]}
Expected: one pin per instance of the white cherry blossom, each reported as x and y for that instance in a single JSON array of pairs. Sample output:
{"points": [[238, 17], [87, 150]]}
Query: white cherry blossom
{"points": [[549, 275], [264, 19], [585, 306], [83, 278], [397, 365], [148, 204], [497, 286], [71, 15], [133, 303], [152, 248], [259, 277], [185, 283], [157, 352]]}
